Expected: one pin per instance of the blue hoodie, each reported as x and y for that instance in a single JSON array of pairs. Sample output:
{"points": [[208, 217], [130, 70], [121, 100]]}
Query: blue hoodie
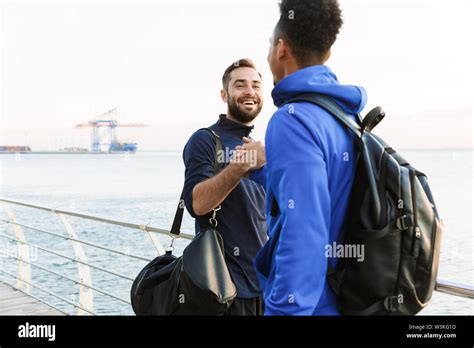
{"points": [[309, 172]]}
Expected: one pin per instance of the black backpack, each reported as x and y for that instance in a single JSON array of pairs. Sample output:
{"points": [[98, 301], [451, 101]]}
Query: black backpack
{"points": [[393, 214]]}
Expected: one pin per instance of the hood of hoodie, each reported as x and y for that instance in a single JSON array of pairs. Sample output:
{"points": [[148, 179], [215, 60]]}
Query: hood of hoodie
{"points": [[320, 79]]}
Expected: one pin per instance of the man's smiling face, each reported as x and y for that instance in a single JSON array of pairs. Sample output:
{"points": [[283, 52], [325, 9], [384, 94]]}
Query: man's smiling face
{"points": [[244, 94]]}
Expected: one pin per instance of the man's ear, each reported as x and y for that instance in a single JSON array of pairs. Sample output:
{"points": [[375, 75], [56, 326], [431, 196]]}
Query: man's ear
{"points": [[282, 50], [224, 96]]}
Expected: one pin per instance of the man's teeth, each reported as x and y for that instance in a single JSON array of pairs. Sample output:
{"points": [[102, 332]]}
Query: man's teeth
{"points": [[248, 102]]}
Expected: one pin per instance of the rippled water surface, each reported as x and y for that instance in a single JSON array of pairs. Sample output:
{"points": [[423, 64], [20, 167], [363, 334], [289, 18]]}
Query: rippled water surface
{"points": [[145, 188]]}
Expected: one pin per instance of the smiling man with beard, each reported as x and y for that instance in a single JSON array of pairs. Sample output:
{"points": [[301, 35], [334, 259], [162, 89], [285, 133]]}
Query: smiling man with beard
{"points": [[241, 219]]}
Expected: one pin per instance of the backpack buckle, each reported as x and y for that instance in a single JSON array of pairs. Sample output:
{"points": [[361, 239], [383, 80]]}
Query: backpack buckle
{"points": [[404, 222], [391, 303]]}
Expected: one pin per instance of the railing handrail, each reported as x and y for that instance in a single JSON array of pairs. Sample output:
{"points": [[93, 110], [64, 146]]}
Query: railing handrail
{"points": [[454, 288], [443, 286], [84, 282], [76, 240], [142, 227], [103, 292], [69, 258]]}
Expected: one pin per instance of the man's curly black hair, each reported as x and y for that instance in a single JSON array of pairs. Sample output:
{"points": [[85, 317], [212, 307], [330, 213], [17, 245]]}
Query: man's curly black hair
{"points": [[309, 27]]}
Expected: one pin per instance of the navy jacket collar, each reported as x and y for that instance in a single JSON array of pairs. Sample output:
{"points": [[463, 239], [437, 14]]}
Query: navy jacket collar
{"points": [[235, 128]]}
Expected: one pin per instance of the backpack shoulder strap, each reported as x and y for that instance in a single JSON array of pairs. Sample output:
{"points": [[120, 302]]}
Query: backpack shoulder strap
{"points": [[332, 107], [178, 216]]}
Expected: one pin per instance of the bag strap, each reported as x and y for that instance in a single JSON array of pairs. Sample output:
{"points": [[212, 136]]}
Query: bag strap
{"points": [[178, 216], [332, 107], [335, 110]]}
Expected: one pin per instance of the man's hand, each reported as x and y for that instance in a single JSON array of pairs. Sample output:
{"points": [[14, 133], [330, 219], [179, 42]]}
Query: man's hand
{"points": [[241, 160], [212, 192], [253, 152]]}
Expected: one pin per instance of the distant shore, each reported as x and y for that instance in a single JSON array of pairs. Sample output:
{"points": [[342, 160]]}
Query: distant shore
{"points": [[63, 153]]}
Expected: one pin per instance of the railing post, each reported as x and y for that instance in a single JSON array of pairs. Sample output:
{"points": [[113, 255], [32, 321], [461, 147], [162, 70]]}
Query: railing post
{"points": [[24, 268], [154, 239], [86, 299]]}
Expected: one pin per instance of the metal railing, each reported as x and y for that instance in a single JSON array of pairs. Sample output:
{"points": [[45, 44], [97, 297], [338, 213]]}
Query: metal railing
{"points": [[85, 305], [454, 288], [86, 289]]}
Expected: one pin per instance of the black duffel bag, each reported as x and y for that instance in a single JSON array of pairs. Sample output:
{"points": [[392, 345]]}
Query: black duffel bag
{"points": [[197, 283]]}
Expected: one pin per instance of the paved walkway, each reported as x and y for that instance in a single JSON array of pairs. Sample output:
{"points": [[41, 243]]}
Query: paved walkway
{"points": [[15, 302]]}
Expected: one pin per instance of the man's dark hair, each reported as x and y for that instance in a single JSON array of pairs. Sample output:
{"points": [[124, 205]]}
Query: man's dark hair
{"points": [[309, 27], [241, 63]]}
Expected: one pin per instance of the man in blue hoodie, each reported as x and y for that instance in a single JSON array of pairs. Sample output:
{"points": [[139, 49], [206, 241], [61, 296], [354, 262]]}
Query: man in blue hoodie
{"points": [[310, 162]]}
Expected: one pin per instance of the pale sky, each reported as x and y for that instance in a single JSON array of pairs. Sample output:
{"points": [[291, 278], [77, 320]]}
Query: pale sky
{"points": [[161, 63]]}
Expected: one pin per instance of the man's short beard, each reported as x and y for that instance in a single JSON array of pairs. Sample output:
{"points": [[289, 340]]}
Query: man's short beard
{"points": [[240, 115]]}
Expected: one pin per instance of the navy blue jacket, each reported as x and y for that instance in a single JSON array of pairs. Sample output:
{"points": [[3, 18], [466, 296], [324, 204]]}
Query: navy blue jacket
{"points": [[241, 220]]}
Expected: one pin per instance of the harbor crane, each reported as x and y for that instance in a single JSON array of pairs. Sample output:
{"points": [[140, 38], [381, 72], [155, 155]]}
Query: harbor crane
{"points": [[108, 120]]}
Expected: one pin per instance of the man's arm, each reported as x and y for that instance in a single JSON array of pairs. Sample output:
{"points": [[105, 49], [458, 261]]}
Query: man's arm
{"points": [[210, 193], [203, 191]]}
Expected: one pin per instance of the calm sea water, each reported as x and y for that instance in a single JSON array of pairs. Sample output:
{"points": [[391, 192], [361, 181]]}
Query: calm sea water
{"points": [[145, 187]]}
